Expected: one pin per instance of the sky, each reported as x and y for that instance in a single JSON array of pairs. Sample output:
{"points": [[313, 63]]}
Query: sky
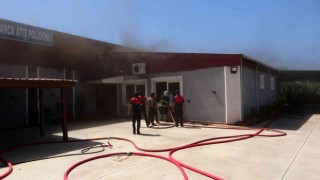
{"points": [[282, 33]]}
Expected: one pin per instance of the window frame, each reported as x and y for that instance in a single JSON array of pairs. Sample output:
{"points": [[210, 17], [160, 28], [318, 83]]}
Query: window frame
{"points": [[135, 83], [262, 81], [272, 83], [169, 79]]}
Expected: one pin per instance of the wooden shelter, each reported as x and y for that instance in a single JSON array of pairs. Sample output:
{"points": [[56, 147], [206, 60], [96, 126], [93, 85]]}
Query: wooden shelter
{"points": [[40, 84]]}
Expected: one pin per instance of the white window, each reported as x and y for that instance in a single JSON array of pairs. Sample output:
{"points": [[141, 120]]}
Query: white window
{"points": [[261, 81], [129, 87], [172, 83], [272, 83]]}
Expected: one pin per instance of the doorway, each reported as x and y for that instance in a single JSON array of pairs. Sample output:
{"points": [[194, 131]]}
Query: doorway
{"points": [[107, 101], [160, 88], [173, 86]]}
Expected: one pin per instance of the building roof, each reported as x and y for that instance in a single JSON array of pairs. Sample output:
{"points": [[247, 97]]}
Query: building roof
{"points": [[89, 56], [96, 59], [158, 62], [35, 83]]}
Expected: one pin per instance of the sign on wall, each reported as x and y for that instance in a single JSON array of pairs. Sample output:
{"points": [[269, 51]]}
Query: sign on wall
{"points": [[26, 33]]}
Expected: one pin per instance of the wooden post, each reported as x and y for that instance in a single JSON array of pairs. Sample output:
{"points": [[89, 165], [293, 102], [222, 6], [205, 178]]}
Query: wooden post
{"points": [[41, 102], [64, 114]]}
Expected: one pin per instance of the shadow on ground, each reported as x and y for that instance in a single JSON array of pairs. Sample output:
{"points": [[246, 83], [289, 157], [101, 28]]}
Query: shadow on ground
{"points": [[58, 148], [289, 122]]}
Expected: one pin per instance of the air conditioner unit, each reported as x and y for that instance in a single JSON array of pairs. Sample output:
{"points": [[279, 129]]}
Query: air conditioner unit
{"points": [[139, 68]]}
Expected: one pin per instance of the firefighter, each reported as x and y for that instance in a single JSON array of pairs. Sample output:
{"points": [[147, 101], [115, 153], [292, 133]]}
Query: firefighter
{"points": [[164, 106], [153, 106], [144, 107], [135, 108], [178, 108]]}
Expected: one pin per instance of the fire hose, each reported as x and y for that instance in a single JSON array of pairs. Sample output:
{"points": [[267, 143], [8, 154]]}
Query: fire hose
{"points": [[170, 158]]}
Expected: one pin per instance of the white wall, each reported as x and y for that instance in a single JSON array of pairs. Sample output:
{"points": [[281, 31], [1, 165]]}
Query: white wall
{"points": [[248, 90], [11, 71], [252, 94], [233, 90], [201, 103]]}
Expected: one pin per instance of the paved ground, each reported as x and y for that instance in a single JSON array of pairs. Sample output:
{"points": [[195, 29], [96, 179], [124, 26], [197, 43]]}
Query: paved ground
{"points": [[292, 157]]}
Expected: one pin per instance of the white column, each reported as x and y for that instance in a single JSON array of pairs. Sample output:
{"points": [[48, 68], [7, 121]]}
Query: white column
{"points": [[73, 97], [226, 92]]}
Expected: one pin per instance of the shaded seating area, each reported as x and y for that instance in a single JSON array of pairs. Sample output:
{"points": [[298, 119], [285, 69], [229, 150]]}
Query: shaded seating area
{"points": [[40, 84]]}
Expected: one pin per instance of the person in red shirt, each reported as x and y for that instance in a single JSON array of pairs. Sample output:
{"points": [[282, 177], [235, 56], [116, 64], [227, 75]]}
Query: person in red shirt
{"points": [[178, 108], [135, 108]]}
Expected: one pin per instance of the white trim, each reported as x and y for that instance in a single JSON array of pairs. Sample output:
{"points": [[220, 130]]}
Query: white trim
{"points": [[262, 81], [168, 79], [117, 80], [225, 92], [272, 79]]}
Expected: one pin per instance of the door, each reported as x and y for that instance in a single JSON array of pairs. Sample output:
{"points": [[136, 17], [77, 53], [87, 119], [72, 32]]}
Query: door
{"points": [[33, 107], [107, 100]]}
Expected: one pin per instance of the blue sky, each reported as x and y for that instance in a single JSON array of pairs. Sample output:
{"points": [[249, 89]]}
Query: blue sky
{"points": [[281, 33]]}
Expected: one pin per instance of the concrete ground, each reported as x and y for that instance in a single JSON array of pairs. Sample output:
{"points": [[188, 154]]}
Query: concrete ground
{"points": [[290, 157]]}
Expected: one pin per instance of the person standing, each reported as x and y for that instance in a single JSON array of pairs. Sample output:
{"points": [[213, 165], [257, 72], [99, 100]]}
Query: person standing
{"points": [[152, 104], [135, 108], [164, 106], [178, 108], [144, 107]]}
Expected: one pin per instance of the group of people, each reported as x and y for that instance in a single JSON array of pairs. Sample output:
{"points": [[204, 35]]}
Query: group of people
{"points": [[140, 105]]}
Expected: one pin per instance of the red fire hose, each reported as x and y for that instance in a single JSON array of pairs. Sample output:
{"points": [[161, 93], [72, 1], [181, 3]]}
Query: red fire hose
{"points": [[128, 154], [180, 165]]}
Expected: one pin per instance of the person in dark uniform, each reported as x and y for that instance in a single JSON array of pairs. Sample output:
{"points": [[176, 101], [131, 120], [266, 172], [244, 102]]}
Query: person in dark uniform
{"points": [[144, 108], [178, 108], [135, 108], [153, 106], [164, 106]]}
